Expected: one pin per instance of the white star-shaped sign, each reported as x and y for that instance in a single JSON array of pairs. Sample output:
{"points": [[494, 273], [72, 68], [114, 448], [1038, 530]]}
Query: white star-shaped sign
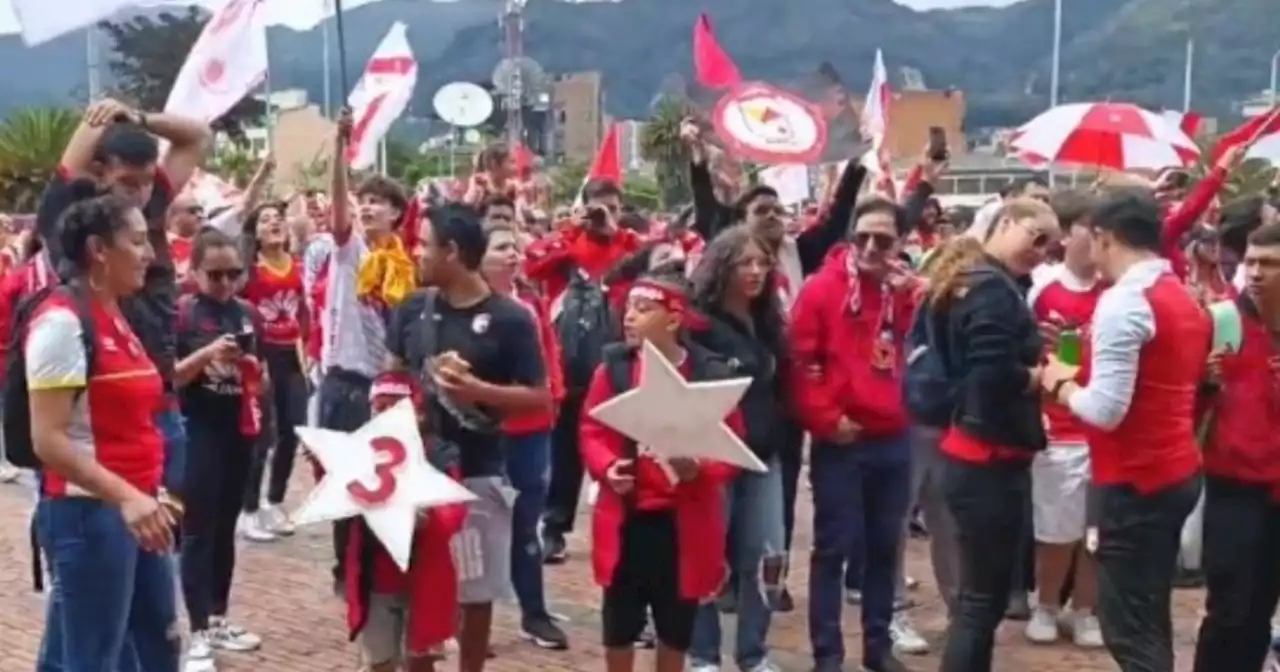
{"points": [[672, 417], [381, 472]]}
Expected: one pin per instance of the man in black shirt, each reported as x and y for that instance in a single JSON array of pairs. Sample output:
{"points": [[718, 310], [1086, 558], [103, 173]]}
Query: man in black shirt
{"points": [[116, 147], [479, 356]]}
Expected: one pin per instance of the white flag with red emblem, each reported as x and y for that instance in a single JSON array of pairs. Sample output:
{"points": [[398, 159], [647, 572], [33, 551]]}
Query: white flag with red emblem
{"points": [[228, 60], [381, 95], [875, 126]]}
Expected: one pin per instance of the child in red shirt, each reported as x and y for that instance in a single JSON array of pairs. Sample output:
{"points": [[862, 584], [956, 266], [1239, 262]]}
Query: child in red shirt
{"points": [[400, 617]]}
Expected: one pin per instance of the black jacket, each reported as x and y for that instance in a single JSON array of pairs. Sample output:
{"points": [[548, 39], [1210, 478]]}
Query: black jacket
{"points": [[765, 409], [997, 339]]}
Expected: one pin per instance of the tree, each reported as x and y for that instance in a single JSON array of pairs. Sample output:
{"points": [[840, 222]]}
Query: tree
{"points": [[147, 54], [661, 145], [31, 143], [233, 164], [642, 191]]}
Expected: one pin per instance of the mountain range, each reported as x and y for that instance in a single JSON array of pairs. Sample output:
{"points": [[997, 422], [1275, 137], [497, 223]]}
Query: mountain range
{"points": [[1131, 50]]}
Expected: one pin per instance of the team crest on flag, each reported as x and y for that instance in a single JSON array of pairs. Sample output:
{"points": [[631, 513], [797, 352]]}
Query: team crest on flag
{"points": [[768, 125]]}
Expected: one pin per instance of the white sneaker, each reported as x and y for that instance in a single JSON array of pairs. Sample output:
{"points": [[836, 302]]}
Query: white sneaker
{"points": [[704, 667], [765, 665], [276, 521], [199, 654], [251, 528], [906, 639], [1085, 631], [1042, 628], [228, 637]]}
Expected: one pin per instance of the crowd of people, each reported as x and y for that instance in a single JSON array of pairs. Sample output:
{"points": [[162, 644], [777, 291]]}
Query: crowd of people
{"points": [[1048, 382]]}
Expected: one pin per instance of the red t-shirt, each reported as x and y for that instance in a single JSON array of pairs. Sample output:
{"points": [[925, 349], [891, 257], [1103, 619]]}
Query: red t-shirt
{"points": [[277, 295]]}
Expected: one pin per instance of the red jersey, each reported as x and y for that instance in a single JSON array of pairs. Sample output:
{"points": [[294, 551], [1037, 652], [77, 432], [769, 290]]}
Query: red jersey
{"points": [[277, 296], [1062, 297]]}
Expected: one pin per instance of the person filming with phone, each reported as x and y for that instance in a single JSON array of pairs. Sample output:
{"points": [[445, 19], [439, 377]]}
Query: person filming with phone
{"points": [[220, 379]]}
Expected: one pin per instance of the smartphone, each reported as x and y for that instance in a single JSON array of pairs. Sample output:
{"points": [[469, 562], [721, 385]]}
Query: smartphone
{"points": [[244, 340], [938, 151]]}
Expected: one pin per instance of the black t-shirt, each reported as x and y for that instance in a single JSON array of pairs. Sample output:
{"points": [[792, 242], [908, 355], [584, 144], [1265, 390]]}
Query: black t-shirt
{"points": [[213, 398], [151, 312], [498, 338]]}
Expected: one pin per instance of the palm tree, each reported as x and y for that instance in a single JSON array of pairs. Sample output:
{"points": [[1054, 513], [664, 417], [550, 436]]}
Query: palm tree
{"points": [[661, 145], [31, 144]]}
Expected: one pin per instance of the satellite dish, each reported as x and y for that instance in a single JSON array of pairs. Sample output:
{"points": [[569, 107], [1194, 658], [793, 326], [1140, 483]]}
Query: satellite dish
{"points": [[463, 104], [520, 76]]}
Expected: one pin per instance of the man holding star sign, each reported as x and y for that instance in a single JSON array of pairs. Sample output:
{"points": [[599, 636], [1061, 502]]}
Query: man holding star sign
{"points": [[662, 448]]}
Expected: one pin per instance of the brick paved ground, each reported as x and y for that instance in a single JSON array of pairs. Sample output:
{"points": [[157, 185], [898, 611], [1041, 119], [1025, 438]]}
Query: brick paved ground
{"points": [[282, 592]]}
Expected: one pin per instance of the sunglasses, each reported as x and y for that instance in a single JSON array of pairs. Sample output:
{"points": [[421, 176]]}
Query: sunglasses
{"points": [[881, 241], [225, 274]]}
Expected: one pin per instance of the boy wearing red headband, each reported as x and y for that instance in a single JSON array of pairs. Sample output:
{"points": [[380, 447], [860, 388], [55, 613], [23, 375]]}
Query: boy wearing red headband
{"points": [[400, 614], [658, 530]]}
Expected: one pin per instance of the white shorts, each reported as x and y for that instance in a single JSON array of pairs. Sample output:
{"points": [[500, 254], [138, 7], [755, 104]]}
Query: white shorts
{"points": [[1060, 493], [482, 548], [383, 636]]}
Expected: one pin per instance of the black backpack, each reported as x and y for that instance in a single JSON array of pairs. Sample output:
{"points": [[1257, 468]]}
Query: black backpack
{"points": [[929, 386], [19, 448], [585, 325]]}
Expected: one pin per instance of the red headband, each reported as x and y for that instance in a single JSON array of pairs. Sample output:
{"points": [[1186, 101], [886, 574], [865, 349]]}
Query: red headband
{"points": [[670, 298]]}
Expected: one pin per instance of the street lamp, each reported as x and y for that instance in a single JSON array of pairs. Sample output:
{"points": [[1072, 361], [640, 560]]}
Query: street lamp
{"points": [[1275, 71]]}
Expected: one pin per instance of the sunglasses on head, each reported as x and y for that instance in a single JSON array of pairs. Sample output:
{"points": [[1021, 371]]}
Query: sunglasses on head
{"points": [[881, 241], [225, 274]]}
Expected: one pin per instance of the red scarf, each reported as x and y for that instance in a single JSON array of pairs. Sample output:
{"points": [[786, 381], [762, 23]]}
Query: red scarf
{"points": [[251, 397]]}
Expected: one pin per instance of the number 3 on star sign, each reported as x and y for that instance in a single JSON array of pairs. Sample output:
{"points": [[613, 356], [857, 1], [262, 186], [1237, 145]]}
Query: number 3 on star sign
{"points": [[390, 454]]}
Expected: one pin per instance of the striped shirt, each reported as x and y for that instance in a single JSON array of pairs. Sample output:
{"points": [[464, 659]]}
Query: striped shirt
{"points": [[355, 333]]}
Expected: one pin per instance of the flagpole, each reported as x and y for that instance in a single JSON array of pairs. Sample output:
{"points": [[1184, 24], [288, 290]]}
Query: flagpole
{"points": [[325, 59], [1055, 70], [1188, 73], [271, 114], [382, 156]]}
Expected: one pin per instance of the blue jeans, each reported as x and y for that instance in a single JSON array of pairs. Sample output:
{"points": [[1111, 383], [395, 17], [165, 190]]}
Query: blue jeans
{"points": [[174, 429], [860, 497], [112, 607], [528, 462], [758, 536]]}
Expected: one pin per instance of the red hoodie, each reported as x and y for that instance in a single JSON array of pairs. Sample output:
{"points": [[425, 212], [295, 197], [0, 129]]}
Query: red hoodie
{"points": [[540, 421], [832, 349], [698, 504], [1245, 443]]}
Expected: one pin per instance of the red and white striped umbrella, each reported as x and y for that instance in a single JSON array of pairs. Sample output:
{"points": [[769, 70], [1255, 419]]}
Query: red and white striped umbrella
{"points": [[1119, 136]]}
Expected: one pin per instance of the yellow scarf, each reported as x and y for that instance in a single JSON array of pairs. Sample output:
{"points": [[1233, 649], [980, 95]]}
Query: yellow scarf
{"points": [[386, 274]]}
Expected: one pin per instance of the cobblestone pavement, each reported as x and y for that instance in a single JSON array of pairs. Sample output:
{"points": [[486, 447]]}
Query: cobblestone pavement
{"points": [[282, 591]]}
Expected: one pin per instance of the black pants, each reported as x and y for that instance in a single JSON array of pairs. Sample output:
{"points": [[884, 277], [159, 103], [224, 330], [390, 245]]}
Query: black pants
{"points": [[987, 502], [287, 408], [344, 406], [565, 487], [1138, 540], [218, 461], [1242, 574], [647, 579]]}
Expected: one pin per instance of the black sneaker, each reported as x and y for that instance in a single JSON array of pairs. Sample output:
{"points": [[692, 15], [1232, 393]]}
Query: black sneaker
{"points": [[1019, 608], [887, 664], [554, 551], [544, 633]]}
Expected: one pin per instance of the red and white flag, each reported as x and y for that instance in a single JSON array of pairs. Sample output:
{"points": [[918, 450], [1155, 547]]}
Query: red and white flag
{"points": [[875, 126], [1260, 134], [381, 95], [228, 60]]}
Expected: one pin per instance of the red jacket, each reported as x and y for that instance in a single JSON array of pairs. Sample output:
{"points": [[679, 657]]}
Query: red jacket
{"points": [[19, 283], [549, 260], [832, 351], [541, 421], [432, 581], [1245, 442], [698, 504], [1155, 445]]}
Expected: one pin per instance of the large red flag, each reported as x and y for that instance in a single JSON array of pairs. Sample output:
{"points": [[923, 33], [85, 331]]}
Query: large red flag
{"points": [[1249, 132], [714, 68]]}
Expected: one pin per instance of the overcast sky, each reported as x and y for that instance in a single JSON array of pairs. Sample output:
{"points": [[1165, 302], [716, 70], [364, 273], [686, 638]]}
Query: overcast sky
{"points": [[937, 4]]}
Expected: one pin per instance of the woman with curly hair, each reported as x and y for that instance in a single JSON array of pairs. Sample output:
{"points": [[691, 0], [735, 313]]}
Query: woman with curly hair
{"points": [[734, 289]]}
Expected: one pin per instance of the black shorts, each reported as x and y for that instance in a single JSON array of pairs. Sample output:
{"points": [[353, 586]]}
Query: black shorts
{"points": [[647, 579]]}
